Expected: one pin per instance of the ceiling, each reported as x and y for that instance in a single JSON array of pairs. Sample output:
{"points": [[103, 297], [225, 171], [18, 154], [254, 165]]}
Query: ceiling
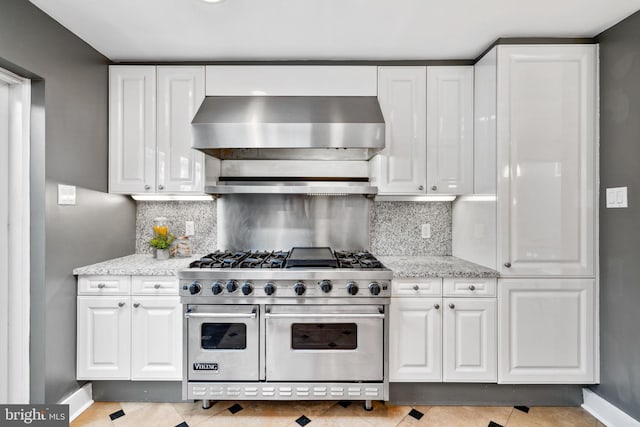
{"points": [[191, 30]]}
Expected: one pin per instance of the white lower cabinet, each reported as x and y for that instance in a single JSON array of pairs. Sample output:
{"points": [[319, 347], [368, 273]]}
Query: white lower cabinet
{"points": [[156, 329], [469, 340], [130, 337], [546, 331], [104, 338], [451, 339]]}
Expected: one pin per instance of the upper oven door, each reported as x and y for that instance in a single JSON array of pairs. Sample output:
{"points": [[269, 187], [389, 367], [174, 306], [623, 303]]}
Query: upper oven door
{"points": [[324, 343], [223, 343]]}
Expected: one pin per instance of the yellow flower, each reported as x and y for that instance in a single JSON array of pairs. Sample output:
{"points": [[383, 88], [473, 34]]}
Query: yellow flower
{"points": [[161, 230]]}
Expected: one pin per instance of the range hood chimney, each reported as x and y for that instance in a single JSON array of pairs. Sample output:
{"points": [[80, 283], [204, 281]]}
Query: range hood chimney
{"points": [[289, 127]]}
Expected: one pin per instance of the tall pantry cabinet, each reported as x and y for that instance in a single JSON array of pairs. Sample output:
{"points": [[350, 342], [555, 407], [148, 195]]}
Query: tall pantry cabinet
{"points": [[536, 220]]}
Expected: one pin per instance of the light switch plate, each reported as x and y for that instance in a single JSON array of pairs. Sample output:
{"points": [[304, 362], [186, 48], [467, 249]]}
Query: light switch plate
{"points": [[426, 231], [617, 197], [66, 194]]}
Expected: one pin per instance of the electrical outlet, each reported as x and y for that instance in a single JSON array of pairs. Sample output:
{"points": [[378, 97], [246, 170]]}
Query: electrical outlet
{"points": [[66, 194], [426, 231], [189, 228], [617, 197]]}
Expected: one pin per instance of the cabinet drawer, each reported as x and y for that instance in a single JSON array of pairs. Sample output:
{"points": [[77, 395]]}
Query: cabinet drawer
{"points": [[465, 287], [154, 285], [416, 287], [104, 285]]}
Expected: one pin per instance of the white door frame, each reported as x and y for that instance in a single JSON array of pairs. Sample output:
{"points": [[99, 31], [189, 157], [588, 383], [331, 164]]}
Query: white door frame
{"points": [[14, 238]]}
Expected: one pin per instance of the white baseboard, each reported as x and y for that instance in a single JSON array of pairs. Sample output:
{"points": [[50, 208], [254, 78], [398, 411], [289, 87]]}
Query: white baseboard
{"points": [[604, 411], [78, 401]]}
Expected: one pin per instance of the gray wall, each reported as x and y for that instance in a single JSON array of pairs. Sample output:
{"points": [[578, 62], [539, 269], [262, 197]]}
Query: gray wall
{"points": [[620, 228], [72, 149]]}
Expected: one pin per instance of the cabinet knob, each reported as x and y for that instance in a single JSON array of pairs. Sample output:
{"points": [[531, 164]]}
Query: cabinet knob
{"points": [[147, 187], [421, 187], [472, 288], [416, 287], [452, 306], [434, 188], [507, 264], [136, 304], [157, 286], [436, 306], [121, 304], [160, 187], [101, 285]]}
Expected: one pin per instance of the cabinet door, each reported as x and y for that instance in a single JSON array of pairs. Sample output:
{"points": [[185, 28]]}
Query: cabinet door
{"points": [[156, 338], [180, 93], [104, 338], [450, 130], [401, 167], [546, 160], [469, 339], [415, 340], [546, 331], [132, 129]]}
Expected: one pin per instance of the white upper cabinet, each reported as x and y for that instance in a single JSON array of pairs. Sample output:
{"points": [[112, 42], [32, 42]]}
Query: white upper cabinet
{"points": [[546, 331], [450, 130], [150, 138], [401, 167], [546, 138], [132, 129], [180, 93]]}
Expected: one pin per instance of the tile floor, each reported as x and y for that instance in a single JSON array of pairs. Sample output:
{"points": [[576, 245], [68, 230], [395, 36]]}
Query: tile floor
{"points": [[326, 413]]}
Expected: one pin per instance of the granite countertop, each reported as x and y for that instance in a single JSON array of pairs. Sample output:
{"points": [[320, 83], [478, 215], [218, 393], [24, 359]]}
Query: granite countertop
{"points": [[136, 265], [434, 266]]}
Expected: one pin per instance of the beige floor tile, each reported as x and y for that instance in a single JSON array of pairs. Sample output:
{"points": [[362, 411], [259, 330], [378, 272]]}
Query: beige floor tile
{"points": [[410, 421], [465, 416], [129, 407], [193, 413], [155, 414], [97, 415], [313, 408], [354, 414], [552, 416], [258, 413]]}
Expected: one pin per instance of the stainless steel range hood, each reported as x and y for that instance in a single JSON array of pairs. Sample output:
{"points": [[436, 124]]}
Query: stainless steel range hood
{"points": [[289, 127]]}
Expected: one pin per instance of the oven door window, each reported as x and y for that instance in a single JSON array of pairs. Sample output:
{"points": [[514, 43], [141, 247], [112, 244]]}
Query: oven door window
{"points": [[223, 336], [324, 336]]}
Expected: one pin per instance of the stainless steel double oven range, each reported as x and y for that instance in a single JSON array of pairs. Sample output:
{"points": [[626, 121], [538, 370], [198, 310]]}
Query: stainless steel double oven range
{"points": [[304, 324]]}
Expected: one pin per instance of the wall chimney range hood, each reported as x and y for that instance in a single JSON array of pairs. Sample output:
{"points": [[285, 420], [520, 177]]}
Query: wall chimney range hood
{"points": [[289, 127]]}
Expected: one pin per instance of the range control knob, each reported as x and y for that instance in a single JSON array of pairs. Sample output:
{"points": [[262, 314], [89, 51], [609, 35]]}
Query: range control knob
{"points": [[326, 286], [194, 288], [247, 288], [352, 288], [299, 288], [232, 285], [269, 288], [216, 288], [374, 288]]}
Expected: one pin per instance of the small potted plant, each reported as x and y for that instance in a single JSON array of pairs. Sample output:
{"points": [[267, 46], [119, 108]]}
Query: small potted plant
{"points": [[162, 241]]}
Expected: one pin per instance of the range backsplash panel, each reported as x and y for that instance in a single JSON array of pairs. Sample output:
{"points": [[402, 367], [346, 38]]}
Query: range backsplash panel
{"points": [[394, 227], [202, 213]]}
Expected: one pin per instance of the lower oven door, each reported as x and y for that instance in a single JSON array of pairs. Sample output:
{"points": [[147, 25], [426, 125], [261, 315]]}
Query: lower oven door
{"points": [[223, 343], [324, 343]]}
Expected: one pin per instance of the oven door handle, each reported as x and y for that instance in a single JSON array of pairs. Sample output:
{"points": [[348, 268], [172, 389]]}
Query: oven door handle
{"points": [[323, 315], [221, 315]]}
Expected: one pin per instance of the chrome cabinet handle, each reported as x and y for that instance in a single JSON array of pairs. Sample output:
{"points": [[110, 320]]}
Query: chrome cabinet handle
{"points": [[147, 187], [324, 315], [160, 187], [421, 187], [157, 286], [507, 264], [436, 306], [136, 304], [434, 188], [416, 287], [219, 315], [121, 304], [452, 306], [472, 288], [101, 285]]}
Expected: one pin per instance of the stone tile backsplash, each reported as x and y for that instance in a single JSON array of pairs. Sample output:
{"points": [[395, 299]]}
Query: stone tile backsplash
{"points": [[203, 214], [395, 227]]}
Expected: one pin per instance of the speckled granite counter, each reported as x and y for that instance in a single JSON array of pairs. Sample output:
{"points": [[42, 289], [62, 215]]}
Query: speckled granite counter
{"points": [[434, 266], [136, 265]]}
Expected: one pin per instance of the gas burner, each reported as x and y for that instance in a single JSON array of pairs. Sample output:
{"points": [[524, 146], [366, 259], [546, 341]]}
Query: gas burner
{"points": [[357, 260], [242, 259]]}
